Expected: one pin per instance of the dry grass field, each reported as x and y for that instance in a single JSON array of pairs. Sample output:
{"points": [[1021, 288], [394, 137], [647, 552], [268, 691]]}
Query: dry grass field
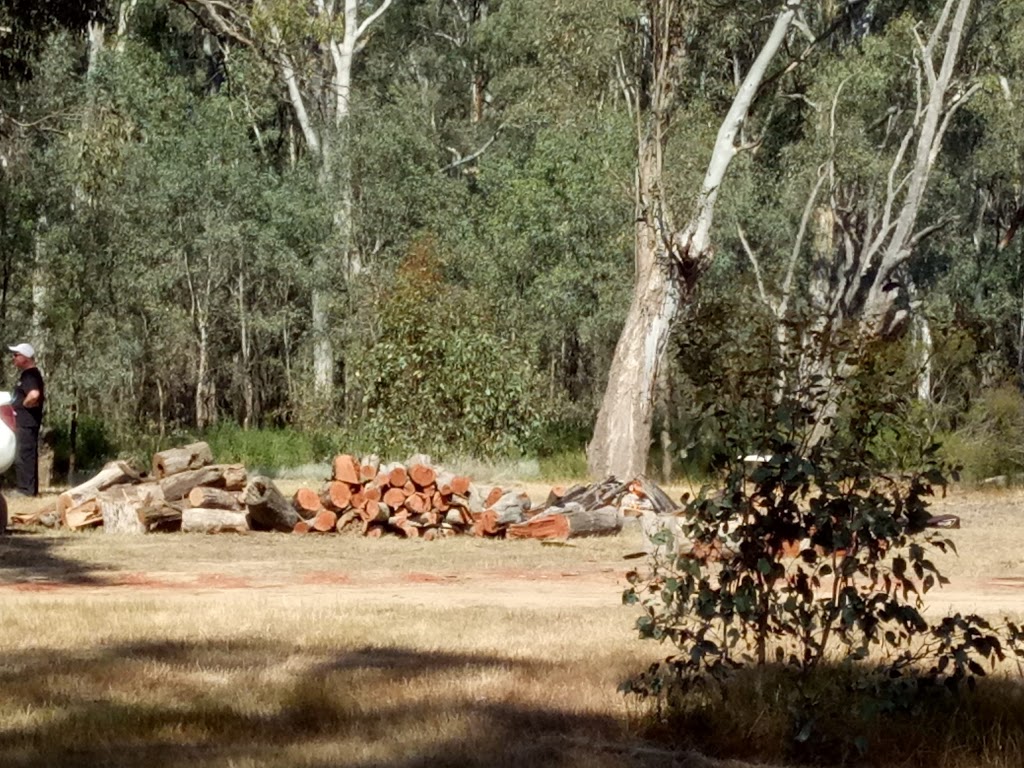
{"points": [[277, 650]]}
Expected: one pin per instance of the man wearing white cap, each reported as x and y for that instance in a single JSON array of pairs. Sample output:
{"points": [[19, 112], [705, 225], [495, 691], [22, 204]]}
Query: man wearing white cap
{"points": [[29, 397]]}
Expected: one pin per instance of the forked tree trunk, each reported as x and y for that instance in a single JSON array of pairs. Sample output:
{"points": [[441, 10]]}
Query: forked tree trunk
{"points": [[859, 289], [668, 265]]}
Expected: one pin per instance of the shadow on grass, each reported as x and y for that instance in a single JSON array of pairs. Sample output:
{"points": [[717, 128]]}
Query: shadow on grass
{"points": [[846, 715], [259, 703], [33, 557]]}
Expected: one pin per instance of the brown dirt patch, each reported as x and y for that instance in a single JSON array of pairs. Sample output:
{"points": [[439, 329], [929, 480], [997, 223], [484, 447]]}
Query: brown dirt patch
{"points": [[986, 574]]}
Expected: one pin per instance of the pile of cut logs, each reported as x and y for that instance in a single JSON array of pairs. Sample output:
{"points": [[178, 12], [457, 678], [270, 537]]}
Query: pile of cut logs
{"points": [[186, 491], [413, 499], [416, 500]]}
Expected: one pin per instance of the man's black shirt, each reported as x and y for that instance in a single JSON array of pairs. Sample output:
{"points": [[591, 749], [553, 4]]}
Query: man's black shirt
{"points": [[29, 379]]}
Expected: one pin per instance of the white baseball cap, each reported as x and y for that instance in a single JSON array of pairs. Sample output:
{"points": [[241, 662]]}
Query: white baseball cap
{"points": [[26, 350]]}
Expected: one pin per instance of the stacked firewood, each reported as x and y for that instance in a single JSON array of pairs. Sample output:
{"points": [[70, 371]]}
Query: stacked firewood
{"points": [[598, 509], [185, 490], [412, 499]]}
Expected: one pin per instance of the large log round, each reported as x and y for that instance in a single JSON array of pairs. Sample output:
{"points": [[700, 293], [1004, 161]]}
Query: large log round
{"points": [[174, 460], [268, 509]]}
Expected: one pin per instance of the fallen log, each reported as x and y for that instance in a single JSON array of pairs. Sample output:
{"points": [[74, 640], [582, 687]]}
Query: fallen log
{"points": [[31, 510], [460, 485], [395, 497], [114, 473], [203, 496], [485, 524], [224, 476], [511, 508], [268, 509], [162, 516], [336, 495], [307, 503], [398, 477], [213, 521], [345, 519], [601, 521], [120, 505], [346, 469], [325, 521], [422, 475], [175, 460], [235, 477]]}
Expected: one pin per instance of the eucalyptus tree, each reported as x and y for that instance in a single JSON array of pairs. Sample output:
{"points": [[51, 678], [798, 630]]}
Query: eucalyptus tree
{"points": [[984, 280], [875, 137], [312, 48], [671, 256]]}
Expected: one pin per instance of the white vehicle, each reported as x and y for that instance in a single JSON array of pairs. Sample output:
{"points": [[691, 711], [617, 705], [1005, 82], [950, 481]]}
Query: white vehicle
{"points": [[8, 447]]}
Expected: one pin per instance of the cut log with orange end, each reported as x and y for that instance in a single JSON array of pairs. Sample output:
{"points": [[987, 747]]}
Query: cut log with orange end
{"points": [[555, 495], [346, 469], [429, 534], [485, 524], [411, 531], [492, 497], [325, 520], [377, 510], [416, 504], [302, 527], [398, 477], [460, 485], [358, 500], [367, 472], [307, 502], [372, 530], [422, 475], [409, 487], [395, 497], [372, 493], [336, 495], [345, 519], [546, 527]]}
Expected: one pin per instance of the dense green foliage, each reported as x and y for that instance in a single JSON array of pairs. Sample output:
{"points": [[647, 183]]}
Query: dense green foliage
{"points": [[805, 577], [165, 226]]}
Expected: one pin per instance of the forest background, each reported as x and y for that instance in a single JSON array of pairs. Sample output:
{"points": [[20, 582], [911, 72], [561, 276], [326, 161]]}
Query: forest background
{"points": [[411, 225]]}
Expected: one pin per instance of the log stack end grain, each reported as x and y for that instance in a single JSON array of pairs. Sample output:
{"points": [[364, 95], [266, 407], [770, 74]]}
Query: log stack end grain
{"points": [[415, 500]]}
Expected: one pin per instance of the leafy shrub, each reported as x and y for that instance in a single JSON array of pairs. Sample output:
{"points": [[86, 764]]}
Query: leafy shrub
{"points": [[810, 570], [266, 448], [990, 440], [438, 378]]}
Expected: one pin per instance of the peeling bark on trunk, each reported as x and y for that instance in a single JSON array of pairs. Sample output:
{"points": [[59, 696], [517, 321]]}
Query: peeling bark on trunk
{"points": [[669, 262], [859, 289]]}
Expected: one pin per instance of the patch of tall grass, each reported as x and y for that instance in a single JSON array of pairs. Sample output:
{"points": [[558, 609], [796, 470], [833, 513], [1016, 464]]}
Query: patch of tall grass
{"points": [[842, 715]]}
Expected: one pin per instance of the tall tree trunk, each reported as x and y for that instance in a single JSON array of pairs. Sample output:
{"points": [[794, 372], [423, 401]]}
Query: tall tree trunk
{"points": [[668, 262]]}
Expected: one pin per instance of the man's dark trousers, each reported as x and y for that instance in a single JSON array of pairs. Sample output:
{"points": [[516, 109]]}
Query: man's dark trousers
{"points": [[26, 461]]}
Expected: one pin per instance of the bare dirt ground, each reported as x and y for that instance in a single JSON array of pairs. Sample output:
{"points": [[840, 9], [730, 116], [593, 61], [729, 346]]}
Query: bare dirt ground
{"points": [[986, 574], [165, 645]]}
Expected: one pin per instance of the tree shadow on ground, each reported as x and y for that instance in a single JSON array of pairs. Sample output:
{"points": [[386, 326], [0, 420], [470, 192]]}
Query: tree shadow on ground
{"points": [[32, 556], [259, 703]]}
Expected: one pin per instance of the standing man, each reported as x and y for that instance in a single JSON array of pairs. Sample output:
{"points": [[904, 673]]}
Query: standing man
{"points": [[29, 397]]}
